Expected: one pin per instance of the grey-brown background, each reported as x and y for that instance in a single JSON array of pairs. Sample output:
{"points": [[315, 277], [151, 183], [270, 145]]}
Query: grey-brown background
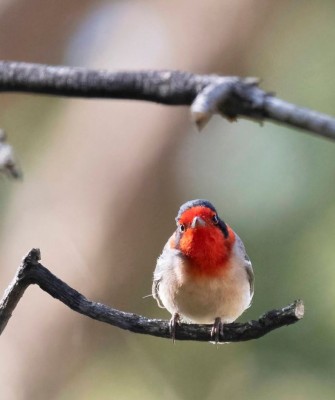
{"points": [[104, 180]]}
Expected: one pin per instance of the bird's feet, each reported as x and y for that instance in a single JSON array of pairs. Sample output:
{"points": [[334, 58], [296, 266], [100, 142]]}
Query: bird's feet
{"points": [[216, 330], [174, 321]]}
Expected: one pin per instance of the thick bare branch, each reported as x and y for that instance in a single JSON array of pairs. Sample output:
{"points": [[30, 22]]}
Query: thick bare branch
{"points": [[229, 96], [32, 272]]}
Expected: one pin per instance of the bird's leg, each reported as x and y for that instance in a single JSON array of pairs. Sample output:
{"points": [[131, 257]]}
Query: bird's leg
{"points": [[216, 329], [174, 321]]}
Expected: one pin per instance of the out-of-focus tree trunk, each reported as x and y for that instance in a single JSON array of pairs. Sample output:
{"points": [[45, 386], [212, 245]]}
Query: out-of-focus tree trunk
{"points": [[97, 198], [34, 31]]}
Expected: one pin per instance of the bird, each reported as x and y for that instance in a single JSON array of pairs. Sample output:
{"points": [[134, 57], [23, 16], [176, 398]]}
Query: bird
{"points": [[203, 274]]}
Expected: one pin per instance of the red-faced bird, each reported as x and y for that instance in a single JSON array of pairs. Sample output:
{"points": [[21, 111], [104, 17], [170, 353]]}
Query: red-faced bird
{"points": [[203, 274]]}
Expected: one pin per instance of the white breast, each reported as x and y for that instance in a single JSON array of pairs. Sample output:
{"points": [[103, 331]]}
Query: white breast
{"points": [[201, 299]]}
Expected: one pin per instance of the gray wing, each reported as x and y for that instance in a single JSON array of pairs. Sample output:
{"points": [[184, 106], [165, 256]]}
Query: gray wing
{"points": [[161, 266], [250, 273], [164, 268], [247, 264]]}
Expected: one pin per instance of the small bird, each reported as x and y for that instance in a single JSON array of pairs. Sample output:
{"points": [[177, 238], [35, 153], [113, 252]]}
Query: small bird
{"points": [[203, 274]]}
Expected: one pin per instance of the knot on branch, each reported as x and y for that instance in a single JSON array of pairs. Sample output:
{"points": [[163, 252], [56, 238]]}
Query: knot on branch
{"points": [[228, 96], [33, 257], [30, 260]]}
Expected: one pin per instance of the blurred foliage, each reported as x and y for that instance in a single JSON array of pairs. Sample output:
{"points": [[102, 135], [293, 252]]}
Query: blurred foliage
{"points": [[276, 187]]}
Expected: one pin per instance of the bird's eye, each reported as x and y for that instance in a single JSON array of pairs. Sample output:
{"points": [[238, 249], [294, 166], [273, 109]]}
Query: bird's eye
{"points": [[182, 227], [215, 219]]}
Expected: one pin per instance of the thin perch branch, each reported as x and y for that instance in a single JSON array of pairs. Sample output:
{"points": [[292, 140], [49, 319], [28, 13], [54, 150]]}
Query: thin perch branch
{"points": [[32, 272], [231, 97]]}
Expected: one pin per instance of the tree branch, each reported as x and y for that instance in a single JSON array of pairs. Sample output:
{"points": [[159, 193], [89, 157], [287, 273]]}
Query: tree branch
{"points": [[231, 97], [32, 272]]}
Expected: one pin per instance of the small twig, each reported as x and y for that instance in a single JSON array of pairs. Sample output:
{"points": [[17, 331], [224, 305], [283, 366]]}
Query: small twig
{"points": [[231, 97], [32, 272], [8, 163]]}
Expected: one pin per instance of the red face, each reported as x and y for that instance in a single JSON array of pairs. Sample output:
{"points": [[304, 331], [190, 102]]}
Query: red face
{"points": [[203, 241]]}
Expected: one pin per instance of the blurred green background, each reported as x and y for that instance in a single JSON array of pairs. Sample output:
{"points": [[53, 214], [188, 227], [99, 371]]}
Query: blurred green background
{"points": [[103, 181]]}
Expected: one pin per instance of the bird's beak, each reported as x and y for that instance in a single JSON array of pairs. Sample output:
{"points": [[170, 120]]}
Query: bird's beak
{"points": [[198, 222]]}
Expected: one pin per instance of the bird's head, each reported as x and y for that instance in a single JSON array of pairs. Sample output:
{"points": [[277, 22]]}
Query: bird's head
{"points": [[203, 237]]}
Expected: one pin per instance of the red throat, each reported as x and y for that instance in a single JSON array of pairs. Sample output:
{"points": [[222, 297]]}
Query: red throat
{"points": [[207, 248]]}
